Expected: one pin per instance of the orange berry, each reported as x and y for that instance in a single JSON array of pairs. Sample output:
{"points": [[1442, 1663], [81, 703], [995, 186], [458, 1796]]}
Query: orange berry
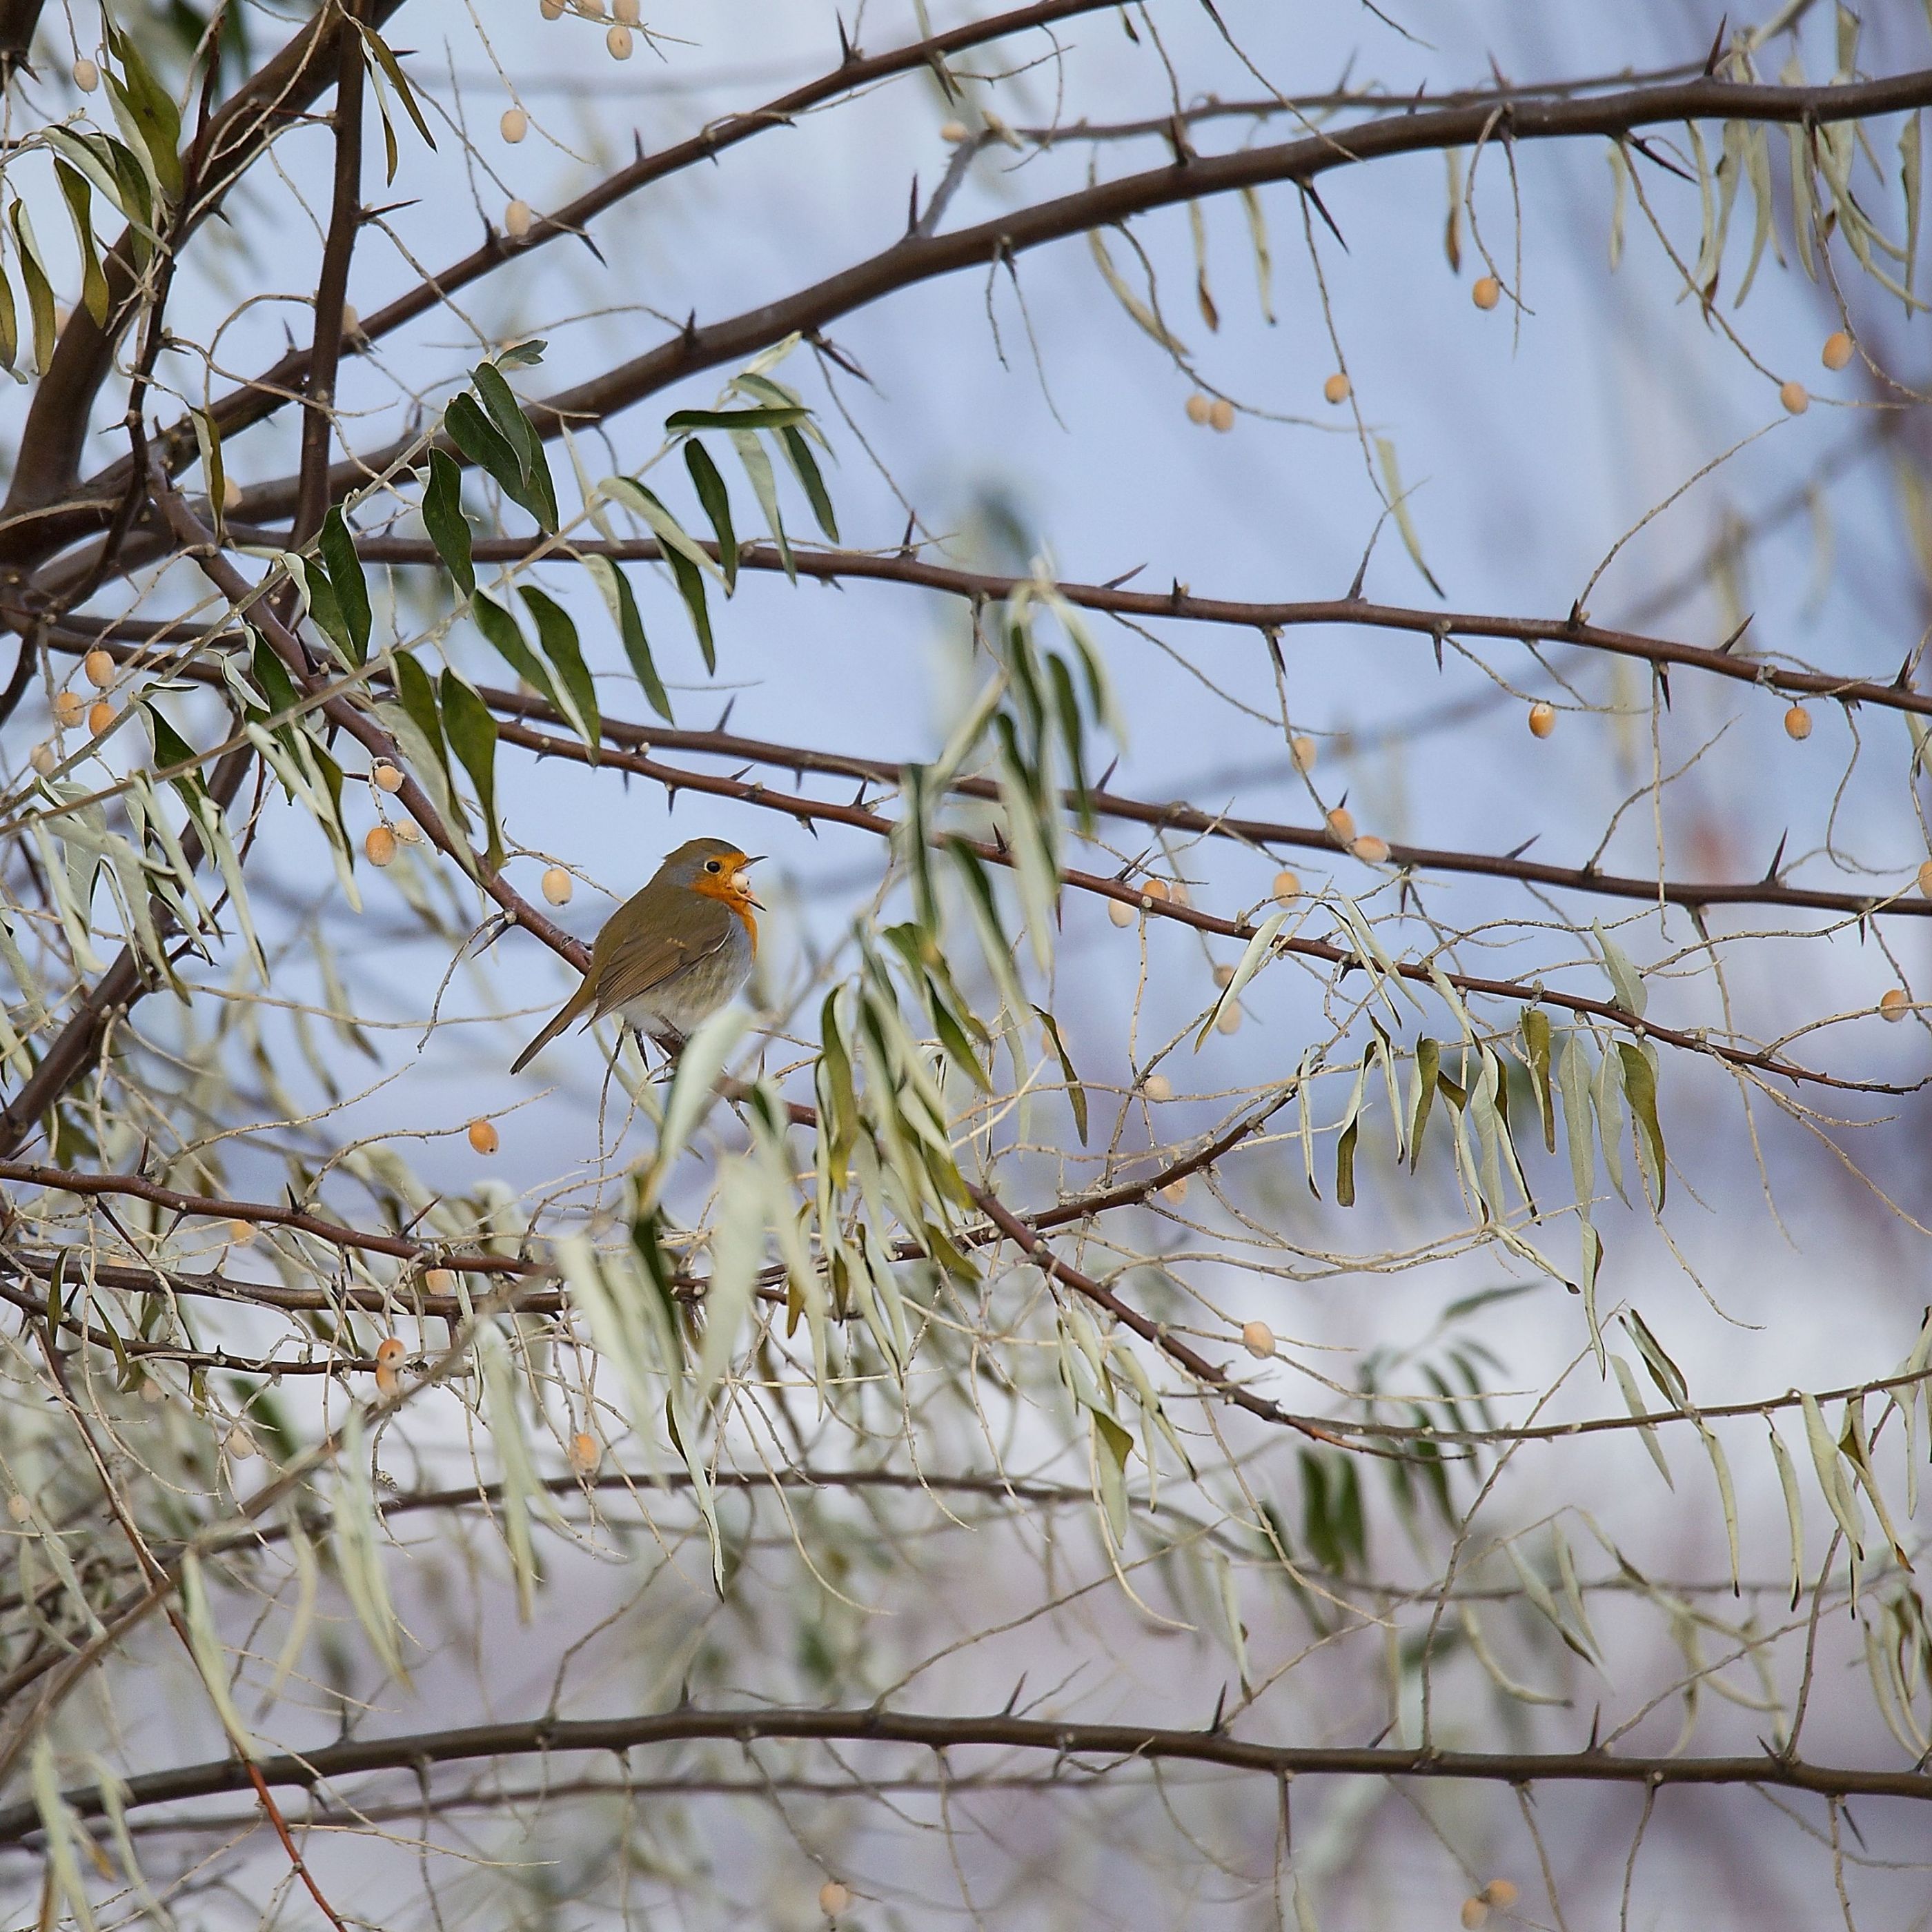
{"points": [[1895, 1004], [1287, 887], [1175, 1192], [1542, 718], [408, 832], [19, 1508], [1336, 388], [1157, 1086], [953, 132], [1342, 823], [1798, 723], [1198, 408], [440, 1281], [99, 715], [1224, 976], [833, 1897], [1487, 292], [618, 39], [1152, 888], [70, 707], [241, 1232], [551, 10], [517, 219], [388, 777], [1474, 1913], [379, 844], [557, 886], [239, 1443], [43, 759], [1222, 414], [1177, 895], [390, 1352], [1258, 1338], [1304, 751], [1228, 1020], [484, 1136], [1370, 849], [1794, 398], [586, 1452], [514, 124], [86, 75], [99, 667], [1121, 914], [1838, 350], [1499, 1891], [1925, 879], [231, 494]]}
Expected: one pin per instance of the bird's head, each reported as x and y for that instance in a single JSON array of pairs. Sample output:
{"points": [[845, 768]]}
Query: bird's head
{"points": [[714, 868]]}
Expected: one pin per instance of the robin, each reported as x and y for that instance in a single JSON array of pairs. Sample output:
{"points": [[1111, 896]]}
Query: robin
{"points": [[671, 955]]}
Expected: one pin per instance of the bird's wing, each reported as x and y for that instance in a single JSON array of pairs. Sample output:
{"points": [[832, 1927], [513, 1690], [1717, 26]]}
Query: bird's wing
{"points": [[652, 955]]}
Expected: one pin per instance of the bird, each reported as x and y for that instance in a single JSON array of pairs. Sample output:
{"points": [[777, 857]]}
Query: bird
{"points": [[672, 955]]}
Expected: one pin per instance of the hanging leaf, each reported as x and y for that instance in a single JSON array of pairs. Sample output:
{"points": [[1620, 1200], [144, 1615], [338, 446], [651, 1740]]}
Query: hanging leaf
{"points": [[557, 635], [346, 579], [443, 518], [716, 500], [93, 279], [616, 590], [804, 467], [472, 737], [681, 422], [1076, 1094], [500, 630], [40, 289]]}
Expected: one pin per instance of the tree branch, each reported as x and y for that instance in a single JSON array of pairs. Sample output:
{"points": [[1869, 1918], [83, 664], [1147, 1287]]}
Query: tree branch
{"points": [[552, 1737], [915, 259]]}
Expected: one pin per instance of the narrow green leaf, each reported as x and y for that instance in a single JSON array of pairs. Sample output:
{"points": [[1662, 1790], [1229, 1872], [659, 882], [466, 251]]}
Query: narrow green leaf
{"points": [[479, 439], [93, 279], [536, 491], [1536, 1038], [1076, 1094], [40, 290], [1640, 1089], [764, 487], [615, 589], [1398, 504], [500, 629], [691, 587], [681, 421], [557, 635], [805, 467], [346, 579], [419, 699], [716, 500], [1428, 1062], [10, 326], [443, 518], [472, 737], [393, 68], [150, 106]]}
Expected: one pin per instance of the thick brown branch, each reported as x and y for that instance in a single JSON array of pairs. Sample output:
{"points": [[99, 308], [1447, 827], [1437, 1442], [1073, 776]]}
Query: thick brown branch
{"points": [[1259, 832], [58, 420], [918, 258], [551, 1737], [1181, 604]]}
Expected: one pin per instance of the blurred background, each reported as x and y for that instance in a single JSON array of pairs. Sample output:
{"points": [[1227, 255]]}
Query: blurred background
{"points": [[1025, 417]]}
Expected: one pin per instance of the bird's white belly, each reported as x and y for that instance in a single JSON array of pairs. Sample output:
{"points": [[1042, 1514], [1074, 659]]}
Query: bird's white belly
{"points": [[682, 1003]]}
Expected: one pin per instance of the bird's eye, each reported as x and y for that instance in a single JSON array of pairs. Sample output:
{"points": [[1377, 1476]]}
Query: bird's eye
{"points": [[712, 865]]}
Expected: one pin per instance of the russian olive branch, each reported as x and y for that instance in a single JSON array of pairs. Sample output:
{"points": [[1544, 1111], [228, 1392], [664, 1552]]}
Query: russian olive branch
{"points": [[679, 778], [550, 1736], [916, 258], [265, 394], [1180, 604]]}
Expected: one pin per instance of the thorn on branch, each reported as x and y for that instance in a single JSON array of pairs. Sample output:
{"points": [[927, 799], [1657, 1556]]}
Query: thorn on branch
{"points": [[1308, 192], [1729, 642]]}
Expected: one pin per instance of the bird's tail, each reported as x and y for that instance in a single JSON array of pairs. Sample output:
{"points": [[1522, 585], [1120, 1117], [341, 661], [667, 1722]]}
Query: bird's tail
{"points": [[573, 1008]]}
